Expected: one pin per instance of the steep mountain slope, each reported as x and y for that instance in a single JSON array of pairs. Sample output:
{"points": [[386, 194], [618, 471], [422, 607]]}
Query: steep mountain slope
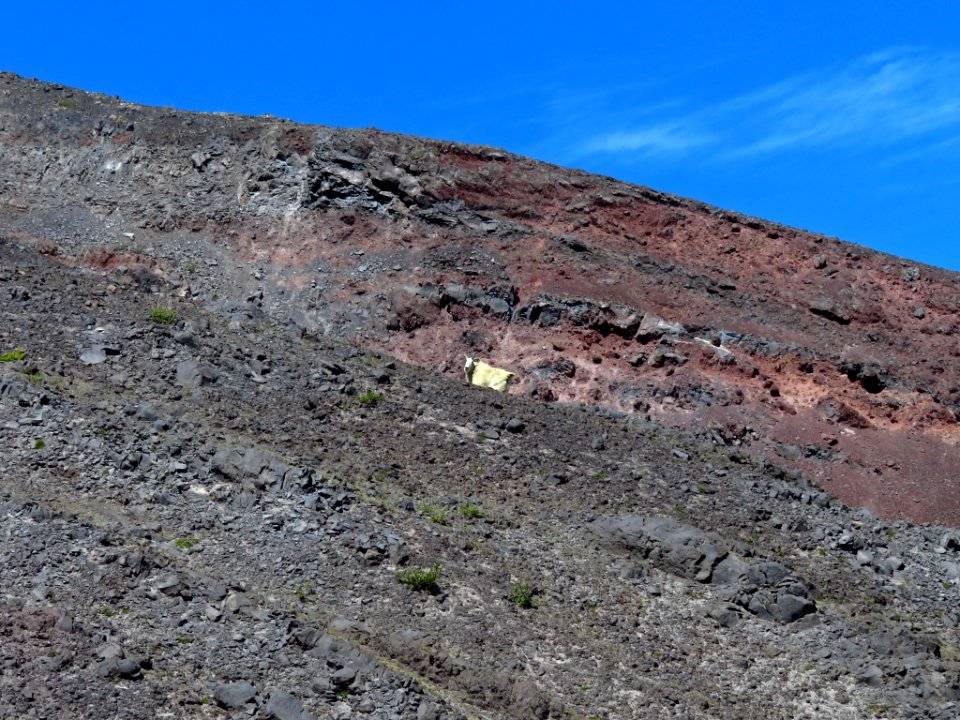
{"points": [[238, 414], [833, 359]]}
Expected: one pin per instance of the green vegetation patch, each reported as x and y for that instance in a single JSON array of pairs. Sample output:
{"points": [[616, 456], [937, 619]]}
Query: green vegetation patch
{"points": [[163, 316], [369, 398], [438, 515], [305, 591], [421, 579], [14, 355], [471, 512], [521, 594]]}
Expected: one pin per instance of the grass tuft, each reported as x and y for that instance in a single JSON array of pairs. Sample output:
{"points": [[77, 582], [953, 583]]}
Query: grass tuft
{"points": [[14, 355], [471, 512], [163, 316], [438, 515], [369, 398], [421, 579]]}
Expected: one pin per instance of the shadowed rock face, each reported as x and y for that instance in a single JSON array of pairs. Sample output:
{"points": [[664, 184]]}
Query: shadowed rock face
{"points": [[241, 471]]}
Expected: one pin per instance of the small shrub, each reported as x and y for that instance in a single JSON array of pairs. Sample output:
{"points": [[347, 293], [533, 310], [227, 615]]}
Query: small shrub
{"points": [[163, 316], [521, 595], [185, 543], [471, 512], [39, 444], [369, 398], [420, 579], [14, 355], [65, 103], [304, 592], [599, 476]]}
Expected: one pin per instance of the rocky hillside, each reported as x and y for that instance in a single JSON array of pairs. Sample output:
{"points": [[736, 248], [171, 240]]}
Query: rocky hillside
{"points": [[242, 475], [811, 353]]}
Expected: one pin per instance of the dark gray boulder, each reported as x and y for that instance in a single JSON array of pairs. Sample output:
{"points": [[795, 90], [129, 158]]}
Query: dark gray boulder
{"points": [[234, 695]]}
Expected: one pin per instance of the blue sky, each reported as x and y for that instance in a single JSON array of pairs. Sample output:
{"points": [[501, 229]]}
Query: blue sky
{"points": [[837, 117]]}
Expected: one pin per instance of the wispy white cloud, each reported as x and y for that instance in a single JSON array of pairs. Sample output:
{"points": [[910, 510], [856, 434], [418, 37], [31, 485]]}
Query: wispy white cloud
{"points": [[923, 152], [668, 138], [898, 96]]}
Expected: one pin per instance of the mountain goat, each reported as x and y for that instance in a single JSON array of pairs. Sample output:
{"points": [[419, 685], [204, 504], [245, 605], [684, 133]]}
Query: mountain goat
{"points": [[483, 375]]}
